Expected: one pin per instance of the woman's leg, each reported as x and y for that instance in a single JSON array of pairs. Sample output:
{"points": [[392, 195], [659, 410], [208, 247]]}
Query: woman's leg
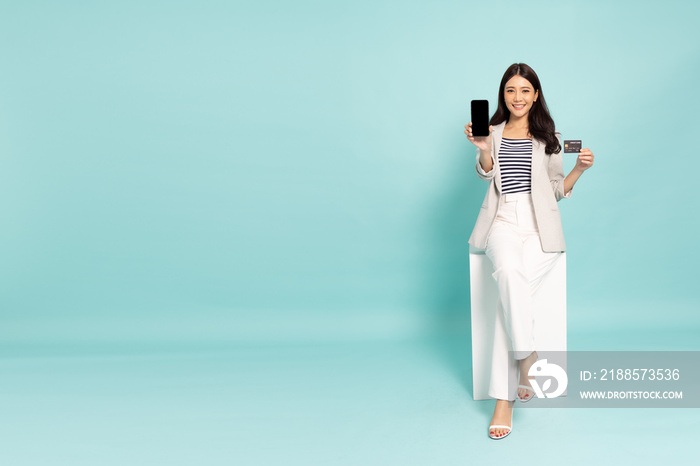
{"points": [[505, 248], [504, 368], [537, 264]]}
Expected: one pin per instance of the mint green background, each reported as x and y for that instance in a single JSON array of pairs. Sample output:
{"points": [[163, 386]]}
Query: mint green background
{"points": [[276, 171], [186, 174]]}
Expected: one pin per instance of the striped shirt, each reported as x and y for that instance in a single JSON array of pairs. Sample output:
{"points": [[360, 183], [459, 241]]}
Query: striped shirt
{"points": [[515, 161]]}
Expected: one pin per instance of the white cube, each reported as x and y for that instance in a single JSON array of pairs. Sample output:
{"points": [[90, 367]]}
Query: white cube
{"points": [[549, 315]]}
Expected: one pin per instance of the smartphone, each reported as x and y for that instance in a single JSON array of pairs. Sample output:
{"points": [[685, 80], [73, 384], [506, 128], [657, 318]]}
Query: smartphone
{"points": [[480, 117]]}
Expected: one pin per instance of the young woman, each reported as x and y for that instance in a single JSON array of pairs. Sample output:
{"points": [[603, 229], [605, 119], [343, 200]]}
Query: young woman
{"points": [[519, 224]]}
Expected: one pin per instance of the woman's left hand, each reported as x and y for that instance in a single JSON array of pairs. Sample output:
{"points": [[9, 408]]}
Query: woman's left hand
{"points": [[584, 160]]}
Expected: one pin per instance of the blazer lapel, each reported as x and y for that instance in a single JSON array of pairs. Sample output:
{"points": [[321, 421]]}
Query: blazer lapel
{"points": [[496, 136], [537, 159]]}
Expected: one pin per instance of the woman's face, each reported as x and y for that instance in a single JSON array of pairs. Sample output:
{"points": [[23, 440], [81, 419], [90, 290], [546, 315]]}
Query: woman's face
{"points": [[519, 96]]}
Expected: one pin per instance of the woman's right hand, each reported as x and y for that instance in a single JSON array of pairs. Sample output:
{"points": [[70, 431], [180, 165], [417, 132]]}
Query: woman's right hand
{"points": [[483, 143]]}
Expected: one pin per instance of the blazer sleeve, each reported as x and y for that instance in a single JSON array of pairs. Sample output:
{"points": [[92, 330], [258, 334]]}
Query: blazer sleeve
{"points": [[556, 172], [488, 176]]}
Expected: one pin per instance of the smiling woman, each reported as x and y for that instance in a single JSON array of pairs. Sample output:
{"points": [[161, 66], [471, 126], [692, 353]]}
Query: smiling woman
{"points": [[519, 224]]}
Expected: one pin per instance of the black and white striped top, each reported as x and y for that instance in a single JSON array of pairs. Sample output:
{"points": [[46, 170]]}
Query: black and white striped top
{"points": [[515, 161]]}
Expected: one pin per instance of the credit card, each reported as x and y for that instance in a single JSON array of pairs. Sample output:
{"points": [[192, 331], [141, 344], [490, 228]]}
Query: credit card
{"points": [[573, 145]]}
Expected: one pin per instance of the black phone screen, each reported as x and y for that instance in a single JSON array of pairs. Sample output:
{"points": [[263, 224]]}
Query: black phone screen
{"points": [[480, 117]]}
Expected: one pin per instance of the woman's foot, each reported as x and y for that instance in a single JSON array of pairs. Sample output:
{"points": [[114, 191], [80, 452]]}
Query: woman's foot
{"points": [[525, 394], [502, 417]]}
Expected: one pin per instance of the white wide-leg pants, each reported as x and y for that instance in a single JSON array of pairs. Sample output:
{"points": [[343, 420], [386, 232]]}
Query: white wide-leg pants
{"points": [[519, 264]]}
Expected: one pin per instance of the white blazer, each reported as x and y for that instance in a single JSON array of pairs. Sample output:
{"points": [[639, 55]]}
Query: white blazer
{"points": [[547, 189]]}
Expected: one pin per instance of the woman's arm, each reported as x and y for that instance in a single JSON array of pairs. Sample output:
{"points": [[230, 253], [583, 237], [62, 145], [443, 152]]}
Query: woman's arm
{"points": [[480, 164], [484, 157], [583, 163], [562, 186]]}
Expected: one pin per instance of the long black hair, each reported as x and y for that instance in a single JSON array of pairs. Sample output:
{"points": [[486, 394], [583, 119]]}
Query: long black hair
{"points": [[539, 119]]}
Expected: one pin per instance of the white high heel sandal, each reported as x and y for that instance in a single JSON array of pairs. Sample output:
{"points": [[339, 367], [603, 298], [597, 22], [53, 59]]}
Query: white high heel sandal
{"points": [[527, 387], [528, 398], [496, 426]]}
